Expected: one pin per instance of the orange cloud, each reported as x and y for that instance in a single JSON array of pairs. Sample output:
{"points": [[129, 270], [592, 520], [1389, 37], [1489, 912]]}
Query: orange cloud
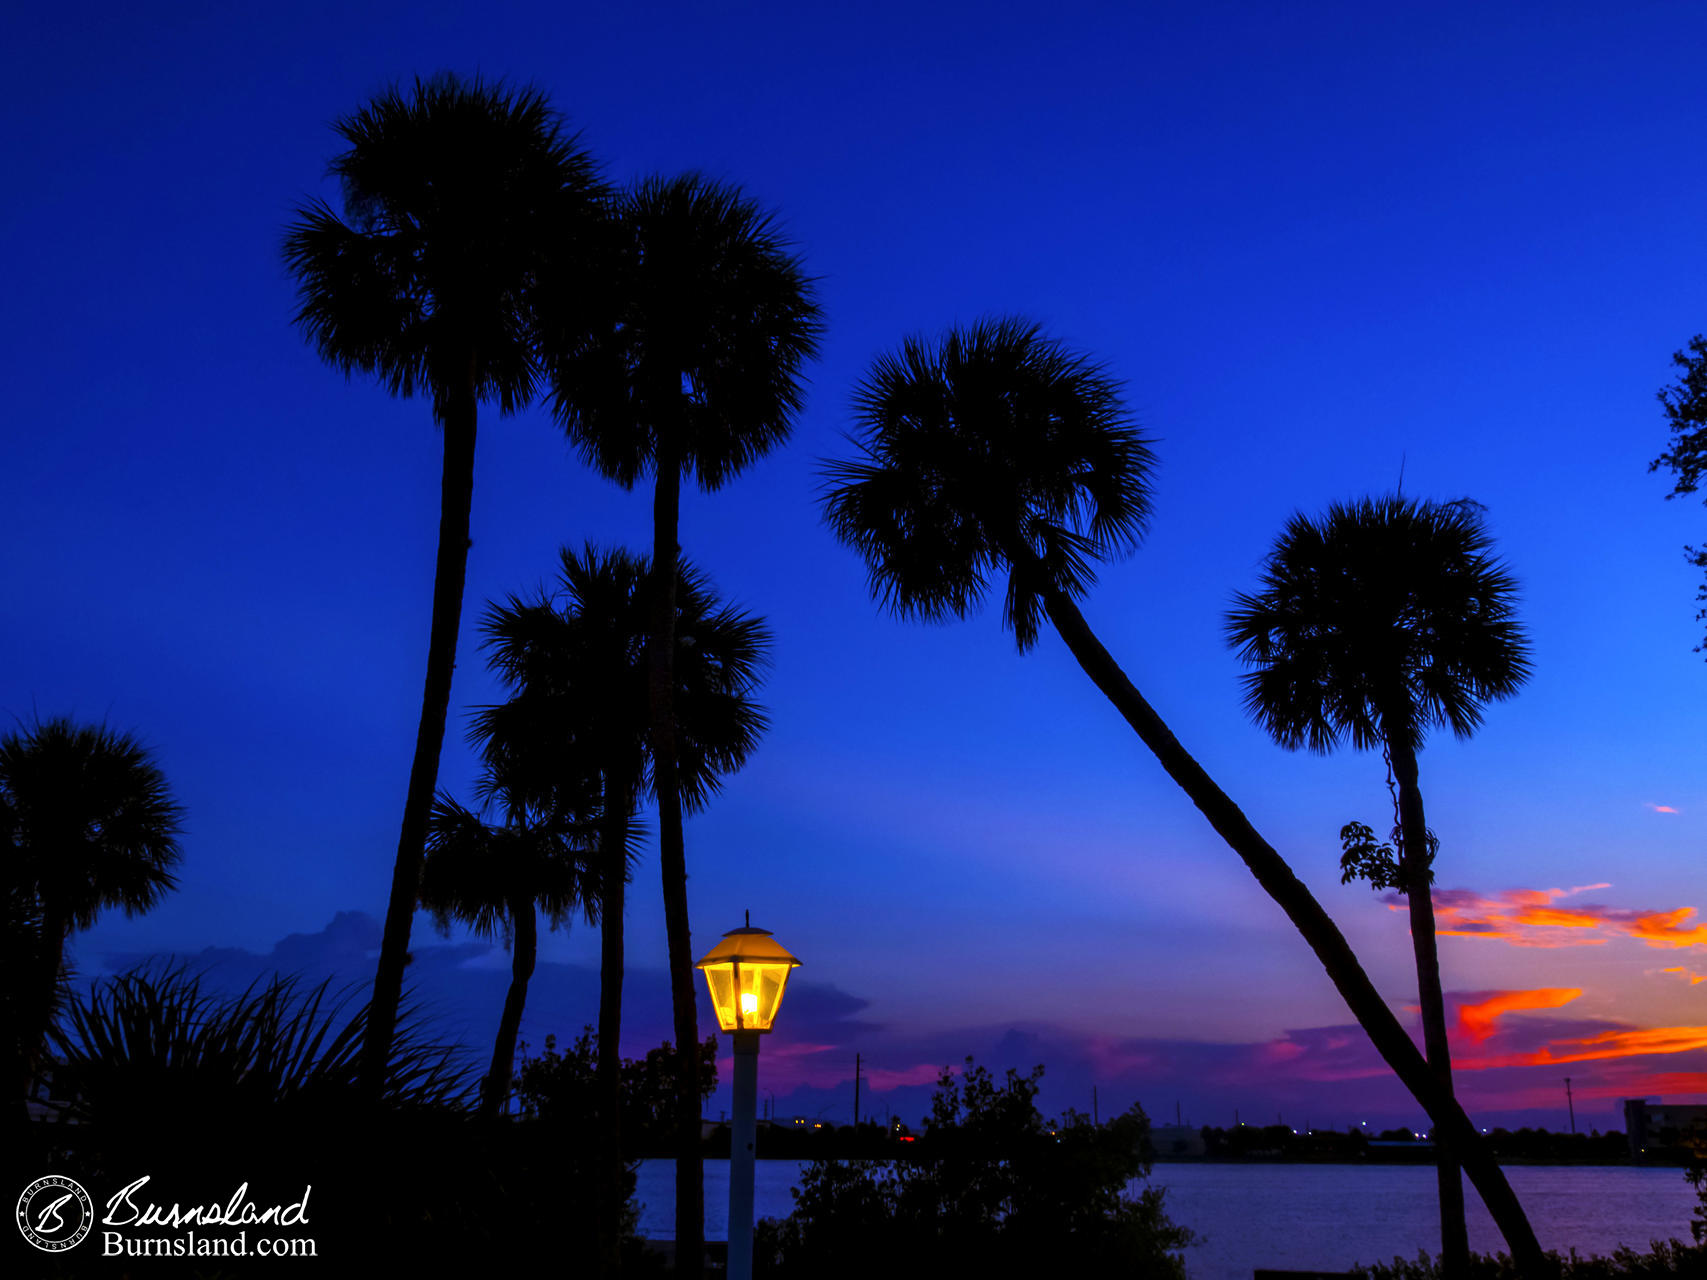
{"points": [[1476, 1022], [1662, 808], [1605, 1044], [1689, 975], [1531, 918], [1667, 929]]}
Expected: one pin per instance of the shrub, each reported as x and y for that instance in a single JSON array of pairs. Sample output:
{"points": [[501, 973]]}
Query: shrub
{"points": [[203, 1092], [989, 1189], [1670, 1259]]}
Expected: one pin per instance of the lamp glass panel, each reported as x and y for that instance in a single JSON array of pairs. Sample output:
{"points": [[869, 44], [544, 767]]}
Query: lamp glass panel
{"points": [[759, 987], [720, 979]]}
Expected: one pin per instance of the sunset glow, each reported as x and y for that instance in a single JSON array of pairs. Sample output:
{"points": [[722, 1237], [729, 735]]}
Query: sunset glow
{"points": [[1476, 1022]]}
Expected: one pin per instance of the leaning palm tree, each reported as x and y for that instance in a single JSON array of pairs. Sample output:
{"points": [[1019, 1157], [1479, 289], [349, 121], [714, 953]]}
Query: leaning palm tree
{"points": [[87, 823], [996, 453], [456, 193], [575, 665], [1386, 619], [696, 373], [496, 880]]}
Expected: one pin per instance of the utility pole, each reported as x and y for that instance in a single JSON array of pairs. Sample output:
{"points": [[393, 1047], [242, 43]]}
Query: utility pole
{"points": [[1095, 1119], [1570, 1103], [856, 1090]]}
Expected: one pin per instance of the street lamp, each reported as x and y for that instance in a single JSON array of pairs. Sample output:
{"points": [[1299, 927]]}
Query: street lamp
{"points": [[746, 974]]}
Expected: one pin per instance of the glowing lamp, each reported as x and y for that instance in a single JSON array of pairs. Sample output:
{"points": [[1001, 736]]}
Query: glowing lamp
{"points": [[746, 974]]}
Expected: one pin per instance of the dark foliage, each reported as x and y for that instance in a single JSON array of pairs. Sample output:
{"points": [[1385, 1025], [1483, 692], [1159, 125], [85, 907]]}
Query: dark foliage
{"points": [[561, 1087], [992, 448], [1386, 618], [456, 194], [709, 324], [1668, 1259], [1363, 857], [574, 662], [87, 823], [204, 1092], [1685, 405], [991, 1189]]}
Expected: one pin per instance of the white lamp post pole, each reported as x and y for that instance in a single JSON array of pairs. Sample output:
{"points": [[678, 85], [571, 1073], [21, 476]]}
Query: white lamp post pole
{"points": [[741, 1137]]}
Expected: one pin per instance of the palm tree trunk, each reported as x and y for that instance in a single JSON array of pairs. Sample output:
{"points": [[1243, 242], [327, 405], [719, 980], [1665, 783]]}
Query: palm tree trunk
{"points": [[523, 953], [672, 855], [613, 841], [55, 929], [1454, 1235], [456, 495], [1311, 921]]}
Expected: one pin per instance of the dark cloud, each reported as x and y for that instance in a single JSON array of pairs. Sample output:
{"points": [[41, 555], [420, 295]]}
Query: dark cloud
{"points": [[1318, 1076]]}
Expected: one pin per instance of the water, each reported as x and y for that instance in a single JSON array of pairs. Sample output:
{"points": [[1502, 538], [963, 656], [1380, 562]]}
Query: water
{"points": [[1305, 1216]]}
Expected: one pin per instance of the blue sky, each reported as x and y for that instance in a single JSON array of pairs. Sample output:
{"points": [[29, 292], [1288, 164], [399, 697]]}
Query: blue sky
{"points": [[1318, 243]]}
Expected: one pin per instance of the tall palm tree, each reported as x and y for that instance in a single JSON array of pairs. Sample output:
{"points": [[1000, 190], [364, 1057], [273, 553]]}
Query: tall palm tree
{"points": [[575, 664], [696, 372], [997, 452], [456, 193], [1386, 619], [496, 880], [87, 823]]}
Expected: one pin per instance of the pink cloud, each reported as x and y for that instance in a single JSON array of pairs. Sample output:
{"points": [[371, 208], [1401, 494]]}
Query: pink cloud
{"points": [[1662, 808], [1532, 918]]}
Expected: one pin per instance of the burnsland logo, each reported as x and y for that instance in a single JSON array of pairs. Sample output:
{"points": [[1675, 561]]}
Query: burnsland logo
{"points": [[55, 1213]]}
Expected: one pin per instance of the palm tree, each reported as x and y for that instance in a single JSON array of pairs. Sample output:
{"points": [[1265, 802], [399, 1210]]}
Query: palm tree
{"points": [[87, 822], [1384, 620], [998, 452], [494, 880], [455, 196], [696, 372], [576, 666]]}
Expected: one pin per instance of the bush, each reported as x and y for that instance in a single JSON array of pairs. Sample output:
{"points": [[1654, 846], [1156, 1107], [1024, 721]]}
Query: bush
{"points": [[989, 1189], [203, 1092], [1661, 1260]]}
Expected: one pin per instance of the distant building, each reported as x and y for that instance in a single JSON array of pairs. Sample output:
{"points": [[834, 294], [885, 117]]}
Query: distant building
{"points": [[1656, 1130], [1176, 1141]]}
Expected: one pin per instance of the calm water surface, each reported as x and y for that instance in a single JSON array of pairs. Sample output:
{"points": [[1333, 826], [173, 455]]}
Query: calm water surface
{"points": [[1305, 1216]]}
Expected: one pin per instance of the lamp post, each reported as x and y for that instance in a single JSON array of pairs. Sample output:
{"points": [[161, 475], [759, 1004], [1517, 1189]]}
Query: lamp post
{"points": [[746, 974]]}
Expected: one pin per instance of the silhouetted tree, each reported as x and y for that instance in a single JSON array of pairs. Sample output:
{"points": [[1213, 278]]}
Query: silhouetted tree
{"points": [[1685, 404], [495, 880], [87, 823], [562, 1086], [455, 194], [1385, 619], [696, 372], [991, 1189], [997, 452], [578, 718]]}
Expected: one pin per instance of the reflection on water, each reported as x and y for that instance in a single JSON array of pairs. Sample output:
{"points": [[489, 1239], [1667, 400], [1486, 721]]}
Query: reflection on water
{"points": [[1306, 1216]]}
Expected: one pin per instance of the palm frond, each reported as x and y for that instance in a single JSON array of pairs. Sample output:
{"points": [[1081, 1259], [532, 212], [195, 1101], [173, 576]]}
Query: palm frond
{"points": [[1386, 618], [457, 195], [992, 448], [713, 322]]}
